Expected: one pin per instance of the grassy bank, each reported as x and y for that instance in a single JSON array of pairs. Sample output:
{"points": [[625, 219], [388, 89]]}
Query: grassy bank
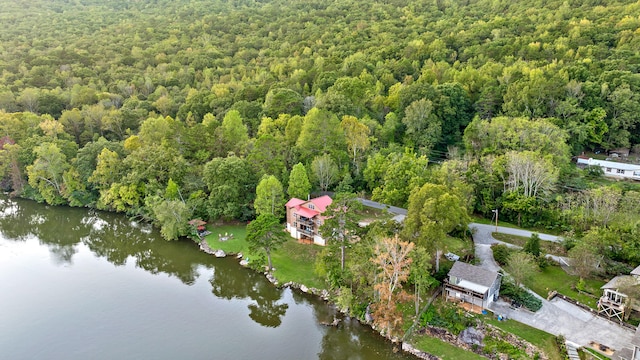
{"points": [[543, 340], [555, 278], [444, 350], [292, 261], [546, 247]]}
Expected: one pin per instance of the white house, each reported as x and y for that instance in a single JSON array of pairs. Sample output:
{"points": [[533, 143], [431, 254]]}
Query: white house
{"points": [[612, 168]]}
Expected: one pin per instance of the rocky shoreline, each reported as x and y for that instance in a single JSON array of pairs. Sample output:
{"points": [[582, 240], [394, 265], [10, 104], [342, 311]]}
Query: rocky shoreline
{"points": [[439, 333], [321, 293]]}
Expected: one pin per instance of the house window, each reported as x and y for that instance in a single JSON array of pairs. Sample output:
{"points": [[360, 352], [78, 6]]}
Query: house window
{"points": [[608, 169], [620, 171], [311, 206], [295, 224]]}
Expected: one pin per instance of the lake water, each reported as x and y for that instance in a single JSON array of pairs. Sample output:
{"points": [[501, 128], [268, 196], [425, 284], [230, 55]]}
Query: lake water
{"points": [[82, 284]]}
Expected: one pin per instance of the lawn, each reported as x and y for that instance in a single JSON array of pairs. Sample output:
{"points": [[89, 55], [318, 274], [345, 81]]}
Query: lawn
{"points": [[539, 338], [235, 244], [555, 278], [293, 261], [442, 349], [546, 247], [296, 262], [457, 246]]}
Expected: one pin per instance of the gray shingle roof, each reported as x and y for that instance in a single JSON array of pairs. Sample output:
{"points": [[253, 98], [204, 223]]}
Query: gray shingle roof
{"points": [[474, 274]]}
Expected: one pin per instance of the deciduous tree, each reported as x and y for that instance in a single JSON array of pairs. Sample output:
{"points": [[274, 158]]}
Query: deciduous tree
{"points": [[434, 213], [269, 197], [522, 267], [45, 174]]}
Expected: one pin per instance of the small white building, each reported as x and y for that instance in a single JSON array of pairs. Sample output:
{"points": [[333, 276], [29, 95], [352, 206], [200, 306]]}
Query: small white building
{"points": [[612, 168]]}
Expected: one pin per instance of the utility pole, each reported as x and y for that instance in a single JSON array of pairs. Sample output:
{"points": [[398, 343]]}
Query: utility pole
{"points": [[496, 212]]}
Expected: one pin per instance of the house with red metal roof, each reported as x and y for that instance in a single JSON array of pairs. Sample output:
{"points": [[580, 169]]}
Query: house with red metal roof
{"points": [[304, 218]]}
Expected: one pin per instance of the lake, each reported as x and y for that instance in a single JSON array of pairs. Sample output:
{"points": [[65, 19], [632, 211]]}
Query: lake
{"points": [[83, 284]]}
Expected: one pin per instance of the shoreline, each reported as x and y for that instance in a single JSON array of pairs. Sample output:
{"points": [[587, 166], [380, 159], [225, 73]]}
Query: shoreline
{"points": [[322, 294]]}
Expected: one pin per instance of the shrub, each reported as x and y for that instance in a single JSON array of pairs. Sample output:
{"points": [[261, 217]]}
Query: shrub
{"points": [[443, 273], [562, 346], [447, 316], [493, 346], [509, 290], [532, 246], [543, 262], [501, 253]]}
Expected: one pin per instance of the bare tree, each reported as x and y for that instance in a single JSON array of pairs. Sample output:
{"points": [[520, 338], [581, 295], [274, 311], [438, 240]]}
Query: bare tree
{"points": [[601, 204], [530, 173], [393, 262], [325, 170]]}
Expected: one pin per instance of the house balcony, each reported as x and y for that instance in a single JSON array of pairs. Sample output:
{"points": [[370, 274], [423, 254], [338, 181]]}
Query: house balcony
{"points": [[306, 231], [305, 221], [608, 303]]}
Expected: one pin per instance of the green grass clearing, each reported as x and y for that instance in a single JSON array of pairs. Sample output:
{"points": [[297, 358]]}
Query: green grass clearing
{"points": [[590, 354], [296, 262], [234, 244], [546, 247], [457, 246], [442, 349], [293, 261], [555, 278], [543, 340]]}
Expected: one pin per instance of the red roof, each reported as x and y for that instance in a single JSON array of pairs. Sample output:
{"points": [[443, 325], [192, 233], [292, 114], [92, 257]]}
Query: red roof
{"points": [[294, 202], [322, 202], [197, 222], [306, 212]]}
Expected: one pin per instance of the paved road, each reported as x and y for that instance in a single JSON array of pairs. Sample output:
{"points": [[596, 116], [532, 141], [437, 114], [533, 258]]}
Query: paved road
{"points": [[484, 233], [376, 205]]}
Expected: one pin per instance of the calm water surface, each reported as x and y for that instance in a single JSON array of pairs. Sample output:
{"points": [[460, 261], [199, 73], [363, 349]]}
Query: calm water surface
{"points": [[80, 284]]}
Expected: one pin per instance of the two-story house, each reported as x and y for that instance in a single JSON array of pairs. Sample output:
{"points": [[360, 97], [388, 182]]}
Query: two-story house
{"points": [[304, 218], [472, 284]]}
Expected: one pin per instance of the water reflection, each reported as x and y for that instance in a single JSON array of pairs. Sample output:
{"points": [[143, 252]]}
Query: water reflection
{"points": [[280, 315], [13, 220], [232, 283]]}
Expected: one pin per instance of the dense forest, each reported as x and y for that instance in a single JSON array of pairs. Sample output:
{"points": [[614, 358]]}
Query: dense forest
{"points": [[173, 110]]}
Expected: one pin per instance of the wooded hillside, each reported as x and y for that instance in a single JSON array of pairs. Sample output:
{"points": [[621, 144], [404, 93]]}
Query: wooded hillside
{"points": [[170, 110]]}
